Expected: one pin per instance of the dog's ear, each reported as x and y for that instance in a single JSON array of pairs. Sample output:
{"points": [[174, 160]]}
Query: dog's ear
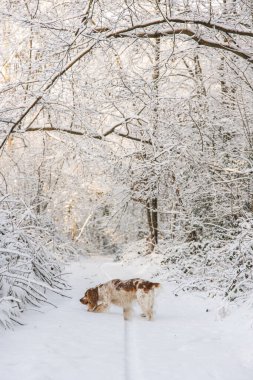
{"points": [[92, 295]]}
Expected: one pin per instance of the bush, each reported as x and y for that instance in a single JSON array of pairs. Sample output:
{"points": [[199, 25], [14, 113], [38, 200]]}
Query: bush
{"points": [[31, 260]]}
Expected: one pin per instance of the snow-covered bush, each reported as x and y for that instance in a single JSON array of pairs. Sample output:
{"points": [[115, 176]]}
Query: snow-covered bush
{"points": [[220, 267], [31, 259]]}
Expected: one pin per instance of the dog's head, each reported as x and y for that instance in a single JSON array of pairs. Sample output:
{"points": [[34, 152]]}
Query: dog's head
{"points": [[90, 298]]}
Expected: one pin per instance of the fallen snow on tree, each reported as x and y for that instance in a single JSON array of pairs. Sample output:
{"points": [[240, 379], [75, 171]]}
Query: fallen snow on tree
{"points": [[31, 260]]}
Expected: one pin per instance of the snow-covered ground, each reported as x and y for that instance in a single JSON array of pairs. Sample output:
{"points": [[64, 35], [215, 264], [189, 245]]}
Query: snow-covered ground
{"points": [[184, 342]]}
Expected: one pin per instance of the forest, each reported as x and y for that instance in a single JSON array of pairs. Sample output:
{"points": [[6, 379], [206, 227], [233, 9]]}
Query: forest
{"points": [[126, 131], [127, 123]]}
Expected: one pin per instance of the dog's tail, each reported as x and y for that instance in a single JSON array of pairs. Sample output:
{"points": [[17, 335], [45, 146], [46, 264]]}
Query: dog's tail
{"points": [[157, 287]]}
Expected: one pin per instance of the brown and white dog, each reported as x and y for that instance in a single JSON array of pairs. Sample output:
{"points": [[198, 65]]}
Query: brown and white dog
{"points": [[122, 293]]}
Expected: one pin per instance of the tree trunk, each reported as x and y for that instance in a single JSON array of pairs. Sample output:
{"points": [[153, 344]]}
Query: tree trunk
{"points": [[152, 203], [152, 216]]}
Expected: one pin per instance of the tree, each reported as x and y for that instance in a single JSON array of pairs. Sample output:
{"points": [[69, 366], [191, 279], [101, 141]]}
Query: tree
{"points": [[142, 77]]}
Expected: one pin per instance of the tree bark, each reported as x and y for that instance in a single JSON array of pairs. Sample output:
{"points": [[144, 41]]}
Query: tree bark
{"points": [[152, 216], [152, 203]]}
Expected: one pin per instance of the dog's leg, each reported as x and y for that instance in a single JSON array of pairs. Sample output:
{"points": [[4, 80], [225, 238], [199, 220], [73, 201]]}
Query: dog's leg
{"points": [[127, 312], [150, 303], [101, 308], [146, 300], [104, 305]]}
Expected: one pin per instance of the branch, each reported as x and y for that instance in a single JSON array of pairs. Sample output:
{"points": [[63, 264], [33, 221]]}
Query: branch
{"points": [[124, 32], [52, 129], [44, 90], [194, 36], [79, 133], [161, 20], [212, 25]]}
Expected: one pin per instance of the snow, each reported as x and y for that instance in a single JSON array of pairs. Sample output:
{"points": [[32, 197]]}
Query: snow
{"points": [[183, 342]]}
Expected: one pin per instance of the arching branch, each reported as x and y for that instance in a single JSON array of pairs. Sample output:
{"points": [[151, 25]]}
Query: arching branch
{"points": [[44, 90]]}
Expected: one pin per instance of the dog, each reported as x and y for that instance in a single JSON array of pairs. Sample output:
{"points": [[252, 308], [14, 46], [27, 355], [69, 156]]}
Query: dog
{"points": [[122, 293]]}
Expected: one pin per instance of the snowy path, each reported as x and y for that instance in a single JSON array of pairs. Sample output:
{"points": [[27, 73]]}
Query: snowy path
{"points": [[183, 343]]}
